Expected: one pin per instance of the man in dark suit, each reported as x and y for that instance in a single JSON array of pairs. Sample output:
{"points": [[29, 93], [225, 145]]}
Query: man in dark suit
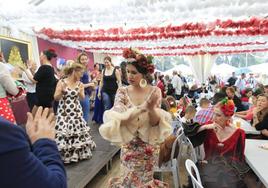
{"points": [[35, 165]]}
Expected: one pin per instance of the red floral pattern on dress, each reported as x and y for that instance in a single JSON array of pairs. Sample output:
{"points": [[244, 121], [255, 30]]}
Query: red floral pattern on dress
{"points": [[138, 158]]}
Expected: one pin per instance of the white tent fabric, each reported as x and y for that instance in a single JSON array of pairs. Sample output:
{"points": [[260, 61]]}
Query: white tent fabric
{"points": [[87, 14], [92, 15], [184, 69], [223, 69], [201, 66], [260, 68]]}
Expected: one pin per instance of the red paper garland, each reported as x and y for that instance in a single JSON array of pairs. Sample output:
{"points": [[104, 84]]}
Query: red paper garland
{"points": [[199, 52], [251, 27], [180, 47]]}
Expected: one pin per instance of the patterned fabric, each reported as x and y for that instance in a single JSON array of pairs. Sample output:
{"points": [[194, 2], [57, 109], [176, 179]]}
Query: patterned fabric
{"points": [[138, 158], [6, 111], [72, 133], [137, 162], [204, 116]]}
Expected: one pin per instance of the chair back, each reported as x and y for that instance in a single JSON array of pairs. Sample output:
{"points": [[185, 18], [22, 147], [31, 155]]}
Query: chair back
{"points": [[176, 126], [186, 142], [191, 167], [179, 134]]}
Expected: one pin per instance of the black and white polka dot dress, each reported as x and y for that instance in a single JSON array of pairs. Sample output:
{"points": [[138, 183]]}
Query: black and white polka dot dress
{"points": [[72, 133]]}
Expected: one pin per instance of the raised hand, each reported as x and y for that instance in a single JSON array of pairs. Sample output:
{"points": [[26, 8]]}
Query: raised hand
{"points": [[42, 125], [152, 101], [63, 87]]}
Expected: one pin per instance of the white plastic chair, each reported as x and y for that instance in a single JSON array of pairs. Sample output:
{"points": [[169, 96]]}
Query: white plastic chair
{"points": [[176, 125], [196, 180], [185, 141], [173, 164]]}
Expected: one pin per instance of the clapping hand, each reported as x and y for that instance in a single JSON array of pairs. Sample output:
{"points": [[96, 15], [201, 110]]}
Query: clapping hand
{"points": [[63, 87], [152, 101], [41, 125]]}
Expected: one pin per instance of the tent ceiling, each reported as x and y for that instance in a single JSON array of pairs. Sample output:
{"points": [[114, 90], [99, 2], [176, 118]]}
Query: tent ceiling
{"points": [[95, 14]]}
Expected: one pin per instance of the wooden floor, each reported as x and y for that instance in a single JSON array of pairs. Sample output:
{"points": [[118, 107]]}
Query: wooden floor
{"points": [[81, 173]]}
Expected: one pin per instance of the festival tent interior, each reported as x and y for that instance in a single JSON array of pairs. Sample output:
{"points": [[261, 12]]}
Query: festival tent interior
{"points": [[198, 30]]}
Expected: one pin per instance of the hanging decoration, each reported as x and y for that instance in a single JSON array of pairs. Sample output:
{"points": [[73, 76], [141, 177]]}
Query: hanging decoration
{"points": [[231, 36], [251, 27]]}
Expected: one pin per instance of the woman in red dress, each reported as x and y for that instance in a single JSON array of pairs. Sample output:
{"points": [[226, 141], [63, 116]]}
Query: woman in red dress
{"points": [[224, 150], [7, 86]]}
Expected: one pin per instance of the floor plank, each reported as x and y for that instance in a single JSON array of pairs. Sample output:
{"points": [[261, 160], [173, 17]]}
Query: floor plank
{"points": [[81, 173]]}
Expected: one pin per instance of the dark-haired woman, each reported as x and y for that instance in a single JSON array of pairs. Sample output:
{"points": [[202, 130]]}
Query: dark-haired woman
{"points": [[137, 124], [260, 115], [109, 83], [45, 80]]}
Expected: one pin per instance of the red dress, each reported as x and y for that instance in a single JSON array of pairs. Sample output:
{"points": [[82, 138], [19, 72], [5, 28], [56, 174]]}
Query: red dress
{"points": [[6, 111], [231, 148]]}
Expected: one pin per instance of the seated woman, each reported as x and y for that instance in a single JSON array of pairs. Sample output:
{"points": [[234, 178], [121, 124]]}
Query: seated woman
{"points": [[172, 103], [248, 114], [184, 102], [137, 123], [260, 115], [224, 146]]}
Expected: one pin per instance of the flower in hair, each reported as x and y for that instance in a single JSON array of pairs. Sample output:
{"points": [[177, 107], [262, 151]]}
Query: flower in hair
{"points": [[128, 53], [142, 60], [227, 107], [52, 50]]}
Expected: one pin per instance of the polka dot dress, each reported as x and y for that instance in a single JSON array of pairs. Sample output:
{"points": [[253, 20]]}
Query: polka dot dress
{"points": [[72, 133], [6, 111]]}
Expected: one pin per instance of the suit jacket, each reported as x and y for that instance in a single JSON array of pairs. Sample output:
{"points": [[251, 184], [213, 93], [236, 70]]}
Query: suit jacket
{"points": [[22, 165]]}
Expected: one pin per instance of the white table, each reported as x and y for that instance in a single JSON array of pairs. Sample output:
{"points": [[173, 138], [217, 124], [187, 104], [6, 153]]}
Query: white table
{"points": [[246, 126], [256, 158]]}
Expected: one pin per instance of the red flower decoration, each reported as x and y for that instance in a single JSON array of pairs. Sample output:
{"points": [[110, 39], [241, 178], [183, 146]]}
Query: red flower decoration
{"points": [[52, 50], [227, 107], [128, 53]]}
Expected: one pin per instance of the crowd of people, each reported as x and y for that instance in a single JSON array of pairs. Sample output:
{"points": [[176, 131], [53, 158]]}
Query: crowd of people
{"points": [[134, 107]]}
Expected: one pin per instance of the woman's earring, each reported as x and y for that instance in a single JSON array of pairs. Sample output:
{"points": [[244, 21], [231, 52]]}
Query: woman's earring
{"points": [[143, 83]]}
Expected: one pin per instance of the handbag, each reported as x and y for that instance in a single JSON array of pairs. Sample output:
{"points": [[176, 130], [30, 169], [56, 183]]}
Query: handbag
{"points": [[20, 108], [165, 150], [19, 104]]}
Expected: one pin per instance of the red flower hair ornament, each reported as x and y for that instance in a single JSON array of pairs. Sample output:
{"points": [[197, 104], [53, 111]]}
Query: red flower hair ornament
{"points": [[146, 62], [227, 107]]}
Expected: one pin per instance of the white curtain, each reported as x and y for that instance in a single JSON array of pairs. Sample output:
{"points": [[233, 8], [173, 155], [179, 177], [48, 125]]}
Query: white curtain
{"points": [[201, 66], [14, 33]]}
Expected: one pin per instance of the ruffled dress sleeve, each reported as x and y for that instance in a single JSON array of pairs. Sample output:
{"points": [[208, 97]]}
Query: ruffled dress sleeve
{"points": [[119, 133]]}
